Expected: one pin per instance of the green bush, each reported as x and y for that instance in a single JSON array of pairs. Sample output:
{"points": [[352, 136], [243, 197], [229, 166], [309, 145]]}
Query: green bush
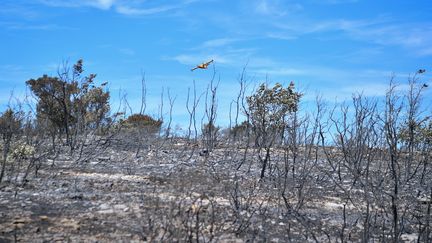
{"points": [[143, 122], [22, 151], [268, 109]]}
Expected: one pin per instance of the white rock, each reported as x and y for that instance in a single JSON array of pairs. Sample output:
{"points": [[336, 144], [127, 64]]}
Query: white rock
{"points": [[120, 207], [104, 206], [107, 211]]}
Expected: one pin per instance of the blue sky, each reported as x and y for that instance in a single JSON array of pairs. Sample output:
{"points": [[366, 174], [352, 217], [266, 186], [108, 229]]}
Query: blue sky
{"points": [[330, 47]]}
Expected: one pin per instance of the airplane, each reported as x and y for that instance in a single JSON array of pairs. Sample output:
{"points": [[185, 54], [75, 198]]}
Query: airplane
{"points": [[202, 65]]}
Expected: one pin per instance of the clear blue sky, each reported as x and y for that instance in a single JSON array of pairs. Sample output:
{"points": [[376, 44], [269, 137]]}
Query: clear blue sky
{"points": [[331, 47]]}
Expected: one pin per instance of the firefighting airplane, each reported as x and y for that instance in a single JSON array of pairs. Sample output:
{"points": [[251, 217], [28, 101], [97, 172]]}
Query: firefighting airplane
{"points": [[203, 65]]}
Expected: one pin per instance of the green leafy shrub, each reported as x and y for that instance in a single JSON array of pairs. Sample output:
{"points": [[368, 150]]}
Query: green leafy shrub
{"points": [[22, 151], [143, 122]]}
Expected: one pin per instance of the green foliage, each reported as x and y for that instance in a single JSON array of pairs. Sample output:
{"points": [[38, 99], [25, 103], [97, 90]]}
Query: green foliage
{"points": [[143, 122], [70, 101], [268, 108], [139, 120], [10, 124], [96, 107], [22, 151], [240, 130], [422, 133], [54, 98]]}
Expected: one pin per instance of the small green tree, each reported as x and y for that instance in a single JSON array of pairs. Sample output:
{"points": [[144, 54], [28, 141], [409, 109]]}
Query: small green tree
{"points": [[144, 123], [54, 101], [70, 103], [267, 111]]}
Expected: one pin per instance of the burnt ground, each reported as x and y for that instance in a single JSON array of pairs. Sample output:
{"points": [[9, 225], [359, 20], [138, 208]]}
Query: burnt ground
{"points": [[104, 200], [172, 195]]}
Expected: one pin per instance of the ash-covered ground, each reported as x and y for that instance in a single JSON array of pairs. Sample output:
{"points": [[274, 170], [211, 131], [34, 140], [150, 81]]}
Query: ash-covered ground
{"points": [[180, 193]]}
